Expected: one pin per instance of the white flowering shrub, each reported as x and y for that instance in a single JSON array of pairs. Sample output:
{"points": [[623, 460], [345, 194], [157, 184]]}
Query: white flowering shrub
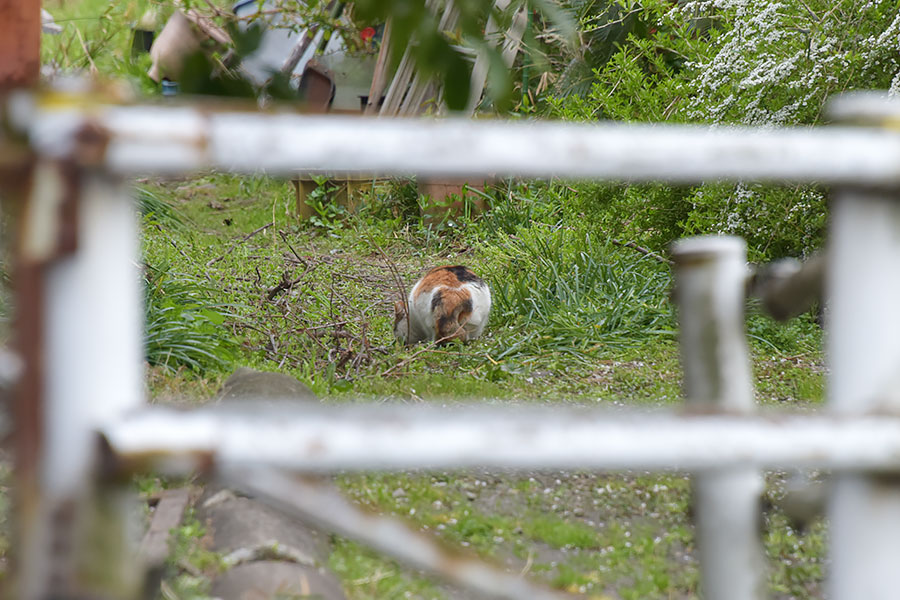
{"points": [[775, 63], [752, 62]]}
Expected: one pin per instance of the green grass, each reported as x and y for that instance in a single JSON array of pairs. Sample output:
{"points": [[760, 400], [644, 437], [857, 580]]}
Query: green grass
{"points": [[577, 294], [626, 536], [365, 575], [96, 39], [576, 321], [184, 324]]}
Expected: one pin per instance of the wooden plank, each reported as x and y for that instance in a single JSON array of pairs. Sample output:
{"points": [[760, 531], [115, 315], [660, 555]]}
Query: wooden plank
{"points": [[166, 516], [379, 77], [509, 44]]}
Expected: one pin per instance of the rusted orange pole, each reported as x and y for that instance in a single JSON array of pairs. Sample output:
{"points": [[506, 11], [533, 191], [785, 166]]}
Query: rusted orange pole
{"points": [[20, 43], [20, 61]]}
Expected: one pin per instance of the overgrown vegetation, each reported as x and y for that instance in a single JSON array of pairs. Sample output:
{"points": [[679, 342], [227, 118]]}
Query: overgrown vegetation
{"points": [[575, 294], [750, 62], [580, 315]]}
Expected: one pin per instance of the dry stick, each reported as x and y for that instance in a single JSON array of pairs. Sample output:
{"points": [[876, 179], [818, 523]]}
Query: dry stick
{"points": [[284, 284], [392, 268], [313, 338], [431, 347], [327, 325], [397, 279], [235, 244], [291, 248], [208, 28], [642, 250], [216, 10], [87, 52]]}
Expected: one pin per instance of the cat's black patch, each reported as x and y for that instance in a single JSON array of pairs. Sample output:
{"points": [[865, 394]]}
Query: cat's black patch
{"points": [[444, 323], [436, 300], [466, 306], [464, 274]]}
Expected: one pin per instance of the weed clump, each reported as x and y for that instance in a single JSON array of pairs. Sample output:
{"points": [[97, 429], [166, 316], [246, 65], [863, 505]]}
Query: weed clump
{"points": [[184, 324], [576, 294]]}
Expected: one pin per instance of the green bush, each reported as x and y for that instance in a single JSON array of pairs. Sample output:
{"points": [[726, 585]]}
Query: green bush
{"points": [[748, 62]]}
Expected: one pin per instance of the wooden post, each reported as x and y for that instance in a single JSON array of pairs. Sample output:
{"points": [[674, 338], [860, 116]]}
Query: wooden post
{"points": [[379, 77], [20, 43]]}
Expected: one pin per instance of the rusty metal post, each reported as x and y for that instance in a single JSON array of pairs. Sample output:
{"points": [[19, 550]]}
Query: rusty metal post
{"points": [[20, 44], [20, 53], [710, 277], [78, 331]]}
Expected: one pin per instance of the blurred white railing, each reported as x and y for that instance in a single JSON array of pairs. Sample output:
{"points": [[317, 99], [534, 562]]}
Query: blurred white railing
{"points": [[79, 413]]}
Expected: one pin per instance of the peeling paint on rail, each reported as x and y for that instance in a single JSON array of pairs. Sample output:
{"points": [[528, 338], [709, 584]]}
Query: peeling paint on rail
{"points": [[181, 139], [360, 438]]}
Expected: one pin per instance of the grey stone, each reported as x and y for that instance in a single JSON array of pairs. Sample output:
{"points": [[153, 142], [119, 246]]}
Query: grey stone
{"points": [[239, 522], [246, 385], [267, 554], [264, 580]]}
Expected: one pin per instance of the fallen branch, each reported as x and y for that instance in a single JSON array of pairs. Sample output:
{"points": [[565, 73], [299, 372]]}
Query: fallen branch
{"points": [[284, 284], [291, 248]]}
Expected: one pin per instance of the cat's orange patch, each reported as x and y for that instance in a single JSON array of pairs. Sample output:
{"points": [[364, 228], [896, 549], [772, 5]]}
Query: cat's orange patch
{"points": [[439, 276], [452, 312]]}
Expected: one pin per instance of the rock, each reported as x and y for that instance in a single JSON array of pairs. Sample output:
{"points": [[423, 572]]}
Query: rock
{"points": [[267, 554], [243, 523], [247, 384], [263, 580]]}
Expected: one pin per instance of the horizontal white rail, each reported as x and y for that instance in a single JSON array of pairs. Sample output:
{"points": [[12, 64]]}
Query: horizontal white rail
{"points": [[320, 439], [180, 139]]}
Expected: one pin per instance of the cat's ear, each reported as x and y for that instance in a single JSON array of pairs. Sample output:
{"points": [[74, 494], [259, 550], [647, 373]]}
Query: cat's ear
{"points": [[399, 309]]}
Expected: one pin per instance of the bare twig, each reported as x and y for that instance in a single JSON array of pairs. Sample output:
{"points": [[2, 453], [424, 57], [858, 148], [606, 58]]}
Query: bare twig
{"points": [[216, 10], [235, 244], [326, 326], [642, 250], [398, 280], [291, 248], [87, 52], [206, 25], [431, 347], [284, 284]]}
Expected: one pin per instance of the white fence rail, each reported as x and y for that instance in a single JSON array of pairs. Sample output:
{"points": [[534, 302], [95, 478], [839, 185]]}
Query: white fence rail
{"points": [[75, 256], [137, 140]]}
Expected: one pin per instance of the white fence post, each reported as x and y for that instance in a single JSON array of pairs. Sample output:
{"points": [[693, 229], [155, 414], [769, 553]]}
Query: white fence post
{"points": [[79, 235], [710, 278], [864, 351]]}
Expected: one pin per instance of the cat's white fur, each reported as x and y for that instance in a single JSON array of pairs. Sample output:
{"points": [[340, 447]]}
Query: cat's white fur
{"points": [[420, 326]]}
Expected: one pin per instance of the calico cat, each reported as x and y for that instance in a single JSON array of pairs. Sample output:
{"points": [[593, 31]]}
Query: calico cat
{"points": [[448, 303]]}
